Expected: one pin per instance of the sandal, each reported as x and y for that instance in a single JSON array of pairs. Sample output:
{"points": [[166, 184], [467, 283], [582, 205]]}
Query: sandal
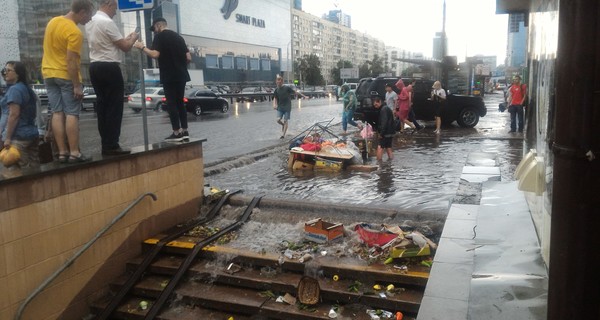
{"points": [[78, 159], [63, 158]]}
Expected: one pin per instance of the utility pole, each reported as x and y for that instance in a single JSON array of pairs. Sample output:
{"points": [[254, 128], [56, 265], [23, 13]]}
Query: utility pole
{"points": [[444, 50]]}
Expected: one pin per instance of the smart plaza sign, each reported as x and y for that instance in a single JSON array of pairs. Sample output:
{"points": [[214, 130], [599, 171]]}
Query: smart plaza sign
{"points": [[230, 5], [250, 20]]}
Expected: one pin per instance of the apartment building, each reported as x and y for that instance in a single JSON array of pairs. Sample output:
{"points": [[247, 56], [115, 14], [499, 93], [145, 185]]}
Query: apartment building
{"points": [[331, 42]]}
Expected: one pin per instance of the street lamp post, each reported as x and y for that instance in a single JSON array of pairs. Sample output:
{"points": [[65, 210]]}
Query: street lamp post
{"points": [[289, 70]]}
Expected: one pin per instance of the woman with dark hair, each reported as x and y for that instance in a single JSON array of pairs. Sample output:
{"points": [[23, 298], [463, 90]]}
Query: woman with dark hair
{"points": [[17, 123]]}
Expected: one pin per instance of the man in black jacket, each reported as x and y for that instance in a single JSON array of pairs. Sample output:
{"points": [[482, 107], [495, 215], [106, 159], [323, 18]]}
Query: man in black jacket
{"points": [[385, 129], [173, 55]]}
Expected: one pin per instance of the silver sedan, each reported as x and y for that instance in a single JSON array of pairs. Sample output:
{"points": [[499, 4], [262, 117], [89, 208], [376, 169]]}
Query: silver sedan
{"points": [[154, 99]]}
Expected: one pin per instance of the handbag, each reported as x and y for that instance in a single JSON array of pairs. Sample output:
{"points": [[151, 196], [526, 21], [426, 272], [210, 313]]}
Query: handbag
{"points": [[502, 107], [45, 153]]}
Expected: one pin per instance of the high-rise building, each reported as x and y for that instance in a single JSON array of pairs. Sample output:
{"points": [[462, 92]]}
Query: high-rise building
{"points": [[516, 53], [439, 42], [337, 16], [298, 4], [332, 42], [396, 66]]}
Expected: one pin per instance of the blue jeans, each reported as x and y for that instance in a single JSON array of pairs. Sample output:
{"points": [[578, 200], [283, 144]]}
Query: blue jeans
{"points": [[516, 113], [347, 118], [413, 118]]}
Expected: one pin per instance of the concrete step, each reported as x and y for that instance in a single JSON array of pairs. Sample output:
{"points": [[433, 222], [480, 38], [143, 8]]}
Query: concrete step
{"points": [[407, 300]]}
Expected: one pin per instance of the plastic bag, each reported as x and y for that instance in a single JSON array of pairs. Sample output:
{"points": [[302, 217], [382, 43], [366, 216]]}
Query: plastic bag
{"points": [[367, 132]]}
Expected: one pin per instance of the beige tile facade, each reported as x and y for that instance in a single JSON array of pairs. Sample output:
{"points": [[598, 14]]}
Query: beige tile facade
{"points": [[47, 217]]}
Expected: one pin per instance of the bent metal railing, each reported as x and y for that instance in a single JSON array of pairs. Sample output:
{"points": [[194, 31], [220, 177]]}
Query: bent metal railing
{"points": [[69, 262]]}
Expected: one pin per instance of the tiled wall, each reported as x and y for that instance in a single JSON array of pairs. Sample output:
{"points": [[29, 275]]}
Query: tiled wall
{"points": [[45, 218]]}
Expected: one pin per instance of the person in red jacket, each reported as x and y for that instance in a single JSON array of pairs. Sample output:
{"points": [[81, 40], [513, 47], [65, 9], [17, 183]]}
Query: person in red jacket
{"points": [[516, 96]]}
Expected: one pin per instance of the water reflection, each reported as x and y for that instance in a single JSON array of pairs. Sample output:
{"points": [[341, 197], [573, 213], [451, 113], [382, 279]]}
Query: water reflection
{"points": [[385, 183]]}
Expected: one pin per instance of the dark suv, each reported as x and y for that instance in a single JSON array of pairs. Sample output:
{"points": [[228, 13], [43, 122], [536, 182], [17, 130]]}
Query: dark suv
{"points": [[463, 109]]}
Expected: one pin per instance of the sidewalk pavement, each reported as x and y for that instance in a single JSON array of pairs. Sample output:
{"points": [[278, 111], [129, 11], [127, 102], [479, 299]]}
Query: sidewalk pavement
{"points": [[488, 264]]}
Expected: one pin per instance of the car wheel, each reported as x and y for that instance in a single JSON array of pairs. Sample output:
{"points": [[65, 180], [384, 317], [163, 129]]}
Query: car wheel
{"points": [[158, 107], [197, 111], [467, 118], [225, 107], [136, 110]]}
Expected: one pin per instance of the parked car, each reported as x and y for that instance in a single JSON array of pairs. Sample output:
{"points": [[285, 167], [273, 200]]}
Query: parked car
{"points": [[154, 97], [215, 89], [464, 109], [253, 94], [42, 93], [501, 85], [198, 101], [89, 99], [352, 85], [224, 88]]}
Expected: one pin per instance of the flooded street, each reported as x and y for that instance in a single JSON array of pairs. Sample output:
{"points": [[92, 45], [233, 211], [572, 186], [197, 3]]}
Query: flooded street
{"points": [[420, 178], [423, 176]]}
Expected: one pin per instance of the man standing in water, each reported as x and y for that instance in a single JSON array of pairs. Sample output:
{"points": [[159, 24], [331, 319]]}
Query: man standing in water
{"points": [[282, 102], [385, 129]]}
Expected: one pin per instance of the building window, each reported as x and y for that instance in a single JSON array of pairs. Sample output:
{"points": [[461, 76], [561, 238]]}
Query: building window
{"points": [[212, 61], [241, 63], [265, 64], [227, 62], [254, 64]]}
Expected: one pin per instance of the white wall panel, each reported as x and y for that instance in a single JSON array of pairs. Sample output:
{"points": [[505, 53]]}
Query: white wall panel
{"points": [[204, 19]]}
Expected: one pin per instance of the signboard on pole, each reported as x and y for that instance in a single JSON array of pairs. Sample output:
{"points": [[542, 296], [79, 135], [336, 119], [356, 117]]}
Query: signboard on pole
{"points": [[349, 73], [134, 5]]}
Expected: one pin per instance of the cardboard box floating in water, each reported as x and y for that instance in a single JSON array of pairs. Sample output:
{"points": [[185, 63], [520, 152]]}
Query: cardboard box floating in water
{"points": [[321, 231]]}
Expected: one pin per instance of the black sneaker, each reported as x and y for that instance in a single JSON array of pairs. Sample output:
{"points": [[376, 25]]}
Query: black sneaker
{"points": [[186, 135], [174, 137]]}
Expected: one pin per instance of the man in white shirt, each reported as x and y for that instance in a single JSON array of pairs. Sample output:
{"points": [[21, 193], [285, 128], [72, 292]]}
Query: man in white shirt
{"points": [[106, 43], [391, 98]]}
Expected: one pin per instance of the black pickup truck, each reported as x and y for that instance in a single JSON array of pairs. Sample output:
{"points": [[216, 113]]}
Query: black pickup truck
{"points": [[463, 109]]}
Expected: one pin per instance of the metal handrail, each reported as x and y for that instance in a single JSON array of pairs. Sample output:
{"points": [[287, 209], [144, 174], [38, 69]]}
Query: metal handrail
{"points": [[69, 262]]}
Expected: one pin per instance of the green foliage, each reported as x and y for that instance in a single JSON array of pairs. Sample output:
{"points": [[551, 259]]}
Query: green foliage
{"points": [[308, 70], [372, 68], [408, 72], [335, 72]]}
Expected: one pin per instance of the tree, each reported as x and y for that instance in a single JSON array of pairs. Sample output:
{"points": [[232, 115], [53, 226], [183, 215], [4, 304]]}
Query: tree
{"points": [[309, 67], [408, 72], [377, 66], [372, 68], [364, 71], [335, 72]]}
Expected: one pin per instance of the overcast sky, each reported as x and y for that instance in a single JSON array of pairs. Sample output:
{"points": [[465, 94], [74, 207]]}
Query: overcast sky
{"points": [[472, 27]]}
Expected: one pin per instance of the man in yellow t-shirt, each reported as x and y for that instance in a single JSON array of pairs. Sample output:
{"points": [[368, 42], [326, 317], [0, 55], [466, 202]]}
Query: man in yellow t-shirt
{"points": [[61, 71]]}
